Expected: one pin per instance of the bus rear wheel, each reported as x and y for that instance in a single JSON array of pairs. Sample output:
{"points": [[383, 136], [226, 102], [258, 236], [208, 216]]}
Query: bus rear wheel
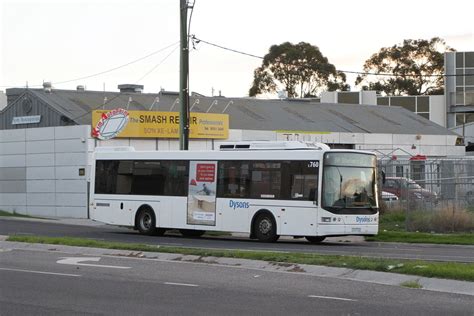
{"points": [[146, 223], [265, 228], [315, 239], [192, 232]]}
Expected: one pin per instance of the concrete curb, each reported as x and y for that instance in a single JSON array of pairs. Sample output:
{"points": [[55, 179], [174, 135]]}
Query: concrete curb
{"points": [[385, 278]]}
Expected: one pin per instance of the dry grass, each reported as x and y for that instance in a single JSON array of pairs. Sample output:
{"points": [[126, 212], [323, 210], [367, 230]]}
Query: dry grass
{"points": [[441, 220]]}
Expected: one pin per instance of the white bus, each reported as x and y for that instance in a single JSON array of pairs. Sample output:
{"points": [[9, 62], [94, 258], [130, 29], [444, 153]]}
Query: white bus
{"points": [[265, 189]]}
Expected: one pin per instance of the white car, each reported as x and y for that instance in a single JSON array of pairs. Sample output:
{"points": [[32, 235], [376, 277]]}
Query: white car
{"points": [[388, 197]]}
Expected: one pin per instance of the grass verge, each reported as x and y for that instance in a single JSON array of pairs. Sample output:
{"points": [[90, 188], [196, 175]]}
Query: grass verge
{"points": [[446, 270], [411, 284], [427, 238], [8, 214]]}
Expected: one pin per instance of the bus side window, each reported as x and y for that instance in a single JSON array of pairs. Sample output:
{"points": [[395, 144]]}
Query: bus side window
{"points": [[304, 180], [232, 179]]}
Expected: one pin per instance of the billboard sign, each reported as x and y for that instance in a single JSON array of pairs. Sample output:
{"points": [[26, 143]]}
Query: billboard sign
{"points": [[153, 124]]}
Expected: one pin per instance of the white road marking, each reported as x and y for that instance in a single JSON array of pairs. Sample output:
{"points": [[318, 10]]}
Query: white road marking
{"points": [[76, 261], [181, 284], [332, 298], [41, 272]]}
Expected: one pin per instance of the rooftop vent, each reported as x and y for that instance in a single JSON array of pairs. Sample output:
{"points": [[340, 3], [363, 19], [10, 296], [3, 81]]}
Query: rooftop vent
{"points": [[130, 88], [47, 87]]}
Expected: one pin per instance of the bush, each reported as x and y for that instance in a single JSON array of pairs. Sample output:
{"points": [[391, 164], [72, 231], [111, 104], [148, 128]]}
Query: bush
{"points": [[441, 221]]}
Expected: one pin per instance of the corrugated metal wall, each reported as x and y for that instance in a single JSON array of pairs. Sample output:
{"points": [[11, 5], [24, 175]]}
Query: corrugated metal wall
{"points": [[27, 104], [40, 171]]}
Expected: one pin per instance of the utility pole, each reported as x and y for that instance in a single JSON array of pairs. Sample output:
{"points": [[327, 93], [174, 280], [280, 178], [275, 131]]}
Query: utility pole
{"points": [[183, 78]]}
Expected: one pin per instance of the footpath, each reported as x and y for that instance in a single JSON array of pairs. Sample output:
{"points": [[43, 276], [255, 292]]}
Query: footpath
{"points": [[386, 278]]}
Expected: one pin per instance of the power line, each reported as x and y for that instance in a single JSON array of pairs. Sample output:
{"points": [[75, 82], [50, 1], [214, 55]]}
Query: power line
{"points": [[108, 70], [121, 66], [198, 40], [157, 65], [118, 94]]}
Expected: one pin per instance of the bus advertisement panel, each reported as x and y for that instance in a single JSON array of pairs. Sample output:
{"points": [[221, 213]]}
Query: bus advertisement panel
{"points": [[202, 193]]}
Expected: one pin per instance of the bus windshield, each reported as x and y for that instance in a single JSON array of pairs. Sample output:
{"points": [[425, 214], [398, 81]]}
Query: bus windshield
{"points": [[349, 183]]}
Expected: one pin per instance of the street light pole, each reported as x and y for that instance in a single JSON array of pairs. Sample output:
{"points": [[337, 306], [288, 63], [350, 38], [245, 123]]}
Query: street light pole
{"points": [[183, 78]]}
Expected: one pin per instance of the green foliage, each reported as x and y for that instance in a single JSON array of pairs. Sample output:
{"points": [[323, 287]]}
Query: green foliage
{"points": [[14, 214], [414, 62], [300, 69], [393, 220], [412, 284]]}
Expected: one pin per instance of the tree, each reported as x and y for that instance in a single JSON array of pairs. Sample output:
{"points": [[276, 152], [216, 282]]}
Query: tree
{"points": [[299, 69], [418, 66]]}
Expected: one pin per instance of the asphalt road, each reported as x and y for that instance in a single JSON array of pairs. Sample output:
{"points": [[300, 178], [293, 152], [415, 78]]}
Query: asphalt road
{"points": [[109, 233], [54, 283]]}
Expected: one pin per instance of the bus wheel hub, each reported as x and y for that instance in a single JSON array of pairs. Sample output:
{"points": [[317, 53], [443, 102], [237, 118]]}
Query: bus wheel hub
{"points": [[265, 226]]}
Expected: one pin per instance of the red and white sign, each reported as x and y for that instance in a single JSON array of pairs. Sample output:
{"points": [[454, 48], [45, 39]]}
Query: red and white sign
{"points": [[205, 172], [110, 124]]}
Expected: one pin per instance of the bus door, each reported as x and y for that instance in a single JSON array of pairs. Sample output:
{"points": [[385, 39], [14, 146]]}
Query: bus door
{"points": [[299, 218], [201, 208], [298, 215]]}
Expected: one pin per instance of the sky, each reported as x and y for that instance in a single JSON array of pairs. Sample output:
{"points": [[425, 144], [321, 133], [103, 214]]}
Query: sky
{"points": [[60, 41]]}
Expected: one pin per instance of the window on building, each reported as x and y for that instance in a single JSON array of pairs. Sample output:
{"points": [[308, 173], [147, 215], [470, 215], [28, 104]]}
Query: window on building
{"points": [[469, 78], [469, 97], [399, 171], [348, 97], [459, 77], [460, 60], [423, 104], [459, 95], [469, 59], [459, 119], [382, 101], [469, 117], [418, 170], [408, 103]]}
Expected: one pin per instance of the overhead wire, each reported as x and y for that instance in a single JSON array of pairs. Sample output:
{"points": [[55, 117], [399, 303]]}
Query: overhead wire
{"points": [[105, 71], [157, 65], [118, 94], [197, 40]]}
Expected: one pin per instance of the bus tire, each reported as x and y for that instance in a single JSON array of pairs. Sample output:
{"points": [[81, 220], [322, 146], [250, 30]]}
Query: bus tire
{"points": [[146, 221], [315, 239], [265, 228], [192, 232]]}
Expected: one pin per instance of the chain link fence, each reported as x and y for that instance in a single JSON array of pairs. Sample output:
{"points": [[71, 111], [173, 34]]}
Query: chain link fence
{"points": [[433, 195]]}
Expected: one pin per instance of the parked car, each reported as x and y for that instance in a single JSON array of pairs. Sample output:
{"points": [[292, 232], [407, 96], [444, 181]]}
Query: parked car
{"points": [[389, 198], [405, 188]]}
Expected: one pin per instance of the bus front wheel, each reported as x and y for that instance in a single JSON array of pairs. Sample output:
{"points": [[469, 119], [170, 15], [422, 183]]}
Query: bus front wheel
{"points": [[315, 239], [265, 228]]}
